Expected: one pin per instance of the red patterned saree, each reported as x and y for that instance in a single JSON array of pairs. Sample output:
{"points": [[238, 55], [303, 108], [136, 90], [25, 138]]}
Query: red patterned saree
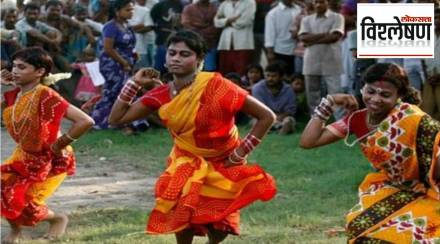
{"points": [[32, 173], [196, 189]]}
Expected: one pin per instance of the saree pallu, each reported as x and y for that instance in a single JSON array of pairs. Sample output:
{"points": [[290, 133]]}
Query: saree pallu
{"points": [[196, 189], [401, 202], [32, 173]]}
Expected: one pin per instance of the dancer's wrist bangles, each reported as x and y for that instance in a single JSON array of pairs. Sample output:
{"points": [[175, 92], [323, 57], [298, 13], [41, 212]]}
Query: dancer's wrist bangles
{"points": [[129, 91], [324, 110], [247, 146], [62, 142]]}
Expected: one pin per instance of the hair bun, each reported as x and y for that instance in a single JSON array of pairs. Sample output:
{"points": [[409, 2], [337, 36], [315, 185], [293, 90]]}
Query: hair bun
{"points": [[412, 96]]}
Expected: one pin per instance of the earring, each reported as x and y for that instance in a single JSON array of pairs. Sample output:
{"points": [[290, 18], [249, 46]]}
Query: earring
{"points": [[200, 66], [165, 65]]}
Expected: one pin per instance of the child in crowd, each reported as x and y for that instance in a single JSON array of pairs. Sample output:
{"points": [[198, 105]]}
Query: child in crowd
{"points": [[298, 87], [85, 90], [253, 75]]}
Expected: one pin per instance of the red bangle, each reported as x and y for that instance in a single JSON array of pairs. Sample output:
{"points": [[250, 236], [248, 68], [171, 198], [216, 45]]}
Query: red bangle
{"points": [[249, 143], [129, 91]]}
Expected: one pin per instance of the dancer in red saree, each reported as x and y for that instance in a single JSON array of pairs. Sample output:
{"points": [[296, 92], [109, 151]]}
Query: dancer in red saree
{"points": [[206, 181], [32, 114]]}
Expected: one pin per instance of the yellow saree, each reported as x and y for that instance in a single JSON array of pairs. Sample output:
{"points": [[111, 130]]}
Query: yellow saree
{"points": [[400, 203]]}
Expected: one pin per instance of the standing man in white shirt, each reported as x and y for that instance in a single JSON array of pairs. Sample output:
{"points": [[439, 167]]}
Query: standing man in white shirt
{"points": [[142, 24], [236, 18], [277, 36], [321, 33]]}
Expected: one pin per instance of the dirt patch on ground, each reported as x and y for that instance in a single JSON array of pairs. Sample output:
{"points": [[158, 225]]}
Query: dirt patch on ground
{"points": [[96, 185]]}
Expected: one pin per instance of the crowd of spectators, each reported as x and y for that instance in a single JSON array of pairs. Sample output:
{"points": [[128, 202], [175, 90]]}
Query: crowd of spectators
{"points": [[286, 53]]}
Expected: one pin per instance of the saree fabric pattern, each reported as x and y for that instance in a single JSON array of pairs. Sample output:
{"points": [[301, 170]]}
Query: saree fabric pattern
{"points": [[196, 189], [400, 203], [32, 173]]}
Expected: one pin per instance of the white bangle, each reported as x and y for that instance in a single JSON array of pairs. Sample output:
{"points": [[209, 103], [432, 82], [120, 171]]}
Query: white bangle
{"points": [[238, 156], [69, 137], [331, 99], [234, 161]]}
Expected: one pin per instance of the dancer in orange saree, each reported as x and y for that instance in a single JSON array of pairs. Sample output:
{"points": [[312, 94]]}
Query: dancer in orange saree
{"points": [[400, 201], [206, 181], [32, 114]]}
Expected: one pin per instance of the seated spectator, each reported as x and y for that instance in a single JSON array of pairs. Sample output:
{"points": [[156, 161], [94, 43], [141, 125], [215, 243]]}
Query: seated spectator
{"points": [[279, 97], [253, 75], [9, 36], [100, 10], [81, 15], [36, 33], [75, 35], [298, 87]]}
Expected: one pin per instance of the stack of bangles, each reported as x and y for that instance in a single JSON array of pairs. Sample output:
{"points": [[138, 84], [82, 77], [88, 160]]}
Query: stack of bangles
{"points": [[324, 110], [247, 146], [62, 142], [129, 91]]}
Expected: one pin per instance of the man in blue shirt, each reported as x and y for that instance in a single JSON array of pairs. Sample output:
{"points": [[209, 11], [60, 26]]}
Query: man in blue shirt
{"points": [[278, 96]]}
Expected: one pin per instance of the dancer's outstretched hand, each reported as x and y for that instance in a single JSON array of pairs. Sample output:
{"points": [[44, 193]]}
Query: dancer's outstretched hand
{"points": [[345, 101], [147, 78]]}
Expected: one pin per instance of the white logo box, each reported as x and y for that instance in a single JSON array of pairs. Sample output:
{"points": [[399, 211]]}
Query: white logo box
{"points": [[392, 24]]}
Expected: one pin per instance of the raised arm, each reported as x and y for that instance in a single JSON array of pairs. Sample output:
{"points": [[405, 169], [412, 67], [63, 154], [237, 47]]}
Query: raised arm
{"points": [[316, 134], [123, 111]]}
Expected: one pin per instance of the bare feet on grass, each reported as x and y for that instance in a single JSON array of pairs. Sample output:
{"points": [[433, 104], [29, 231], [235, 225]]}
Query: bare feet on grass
{"points": [[14, 236], [57, 226]]}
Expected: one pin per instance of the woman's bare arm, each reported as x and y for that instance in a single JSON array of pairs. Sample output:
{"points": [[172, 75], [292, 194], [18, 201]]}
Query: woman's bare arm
{"points": [[265, 117]]}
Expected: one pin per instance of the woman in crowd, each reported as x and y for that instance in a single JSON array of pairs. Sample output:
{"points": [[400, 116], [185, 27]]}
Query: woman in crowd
{"points": [[32, 114], [116, 60], [206, 181], [399, 202]]}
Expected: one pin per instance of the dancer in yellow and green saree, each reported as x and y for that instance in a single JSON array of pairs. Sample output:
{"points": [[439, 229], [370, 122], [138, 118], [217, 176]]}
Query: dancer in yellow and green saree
{"points": [[43, 158], [400, 201], [206, 181]]}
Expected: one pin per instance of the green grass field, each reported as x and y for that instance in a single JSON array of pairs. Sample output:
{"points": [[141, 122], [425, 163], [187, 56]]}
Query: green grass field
{"points": [[315, 189]]}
